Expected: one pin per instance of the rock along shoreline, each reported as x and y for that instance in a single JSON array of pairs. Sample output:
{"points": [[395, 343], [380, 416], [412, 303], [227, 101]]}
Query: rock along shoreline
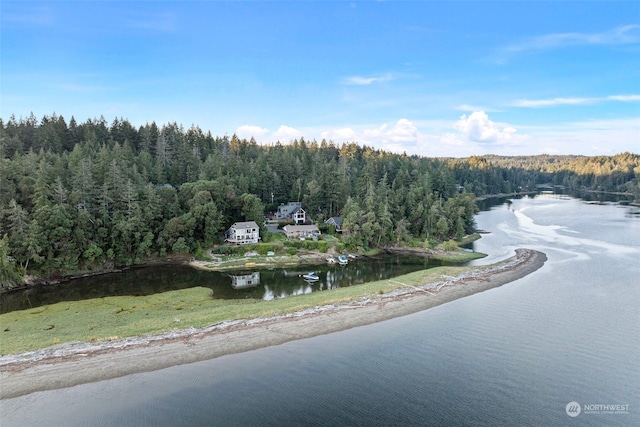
{"points": [[78, 363]]}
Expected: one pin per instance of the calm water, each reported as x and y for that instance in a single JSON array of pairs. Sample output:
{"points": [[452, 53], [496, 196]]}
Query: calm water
{"points": [[266, 284], [515, 355]]}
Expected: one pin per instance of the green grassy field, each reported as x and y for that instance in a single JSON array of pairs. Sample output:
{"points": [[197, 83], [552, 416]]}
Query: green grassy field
{"points": [[118, 317]]}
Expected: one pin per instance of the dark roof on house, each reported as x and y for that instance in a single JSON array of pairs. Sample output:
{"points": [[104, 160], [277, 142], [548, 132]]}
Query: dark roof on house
{"points": [[336, 220]]}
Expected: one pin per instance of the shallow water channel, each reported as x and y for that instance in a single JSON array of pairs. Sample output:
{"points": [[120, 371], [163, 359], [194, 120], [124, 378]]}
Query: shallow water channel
{"points": [[260, 283]]}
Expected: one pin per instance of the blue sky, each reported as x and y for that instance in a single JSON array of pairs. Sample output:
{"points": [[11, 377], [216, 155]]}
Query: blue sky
{"points": [[434, 78]]}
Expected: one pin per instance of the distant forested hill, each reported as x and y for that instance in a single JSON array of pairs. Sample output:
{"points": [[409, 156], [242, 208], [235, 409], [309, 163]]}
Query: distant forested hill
{"points": [[80, 194], [495, 174]]}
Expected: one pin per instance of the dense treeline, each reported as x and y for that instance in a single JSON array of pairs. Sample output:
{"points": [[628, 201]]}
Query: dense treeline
{"points": [[497, 174], [75, 195], [94, 194]]}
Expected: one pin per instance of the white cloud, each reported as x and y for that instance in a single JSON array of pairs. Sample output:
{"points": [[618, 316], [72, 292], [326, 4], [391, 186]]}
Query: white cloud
{"points": [[248, 131], [341, 134], [589, 137], [364, 81], [471, 108], [537, 103], [624, 98], [403, 131], [467, 107], [404, 136], [627, 34], [612, 124], [622, 35], [475, 134], [478, 128], [287, 133]]}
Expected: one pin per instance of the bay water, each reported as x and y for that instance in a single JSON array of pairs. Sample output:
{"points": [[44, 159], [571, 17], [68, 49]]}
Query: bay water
{"points": [[558, 347], [241, 283]]}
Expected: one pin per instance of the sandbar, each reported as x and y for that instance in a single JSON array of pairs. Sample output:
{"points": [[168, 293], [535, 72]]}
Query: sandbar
{"points": [[78, 363]]}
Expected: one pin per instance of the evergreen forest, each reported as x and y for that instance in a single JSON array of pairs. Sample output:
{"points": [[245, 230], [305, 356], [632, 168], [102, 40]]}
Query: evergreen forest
{"points": [[93, 195]]}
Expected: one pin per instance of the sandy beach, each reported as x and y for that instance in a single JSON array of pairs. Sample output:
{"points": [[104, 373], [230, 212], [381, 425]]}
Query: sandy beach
{"points": [[77, 363]]}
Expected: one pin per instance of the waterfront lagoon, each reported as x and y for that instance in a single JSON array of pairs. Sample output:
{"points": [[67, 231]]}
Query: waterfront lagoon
{"points": [[519, 354]]}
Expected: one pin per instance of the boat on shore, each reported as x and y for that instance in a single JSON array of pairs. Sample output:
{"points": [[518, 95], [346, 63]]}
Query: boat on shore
{"points": [[331, 260], [342, 260]]}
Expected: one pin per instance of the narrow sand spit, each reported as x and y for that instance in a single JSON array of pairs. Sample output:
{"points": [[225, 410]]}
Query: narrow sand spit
{"points": [[77, 363]]}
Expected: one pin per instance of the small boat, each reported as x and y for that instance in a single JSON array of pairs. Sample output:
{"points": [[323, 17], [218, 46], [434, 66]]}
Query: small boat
{"points": [[311, 277], [331, 260], [343, 260], [352, 256]]}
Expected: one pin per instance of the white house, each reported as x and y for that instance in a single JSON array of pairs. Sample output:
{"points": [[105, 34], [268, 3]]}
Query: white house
{"points": [[243, 233], [299, 216], [301, 231], [293, 211]]}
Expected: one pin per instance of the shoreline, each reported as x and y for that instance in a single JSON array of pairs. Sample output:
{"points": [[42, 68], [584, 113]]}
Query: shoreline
{"points": [[215, 264], [316, 258], [78, 363]]}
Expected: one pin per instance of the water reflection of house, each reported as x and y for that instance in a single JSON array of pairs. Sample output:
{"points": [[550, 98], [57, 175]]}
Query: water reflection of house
{"points": [[245, 280], [271, 293]]}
